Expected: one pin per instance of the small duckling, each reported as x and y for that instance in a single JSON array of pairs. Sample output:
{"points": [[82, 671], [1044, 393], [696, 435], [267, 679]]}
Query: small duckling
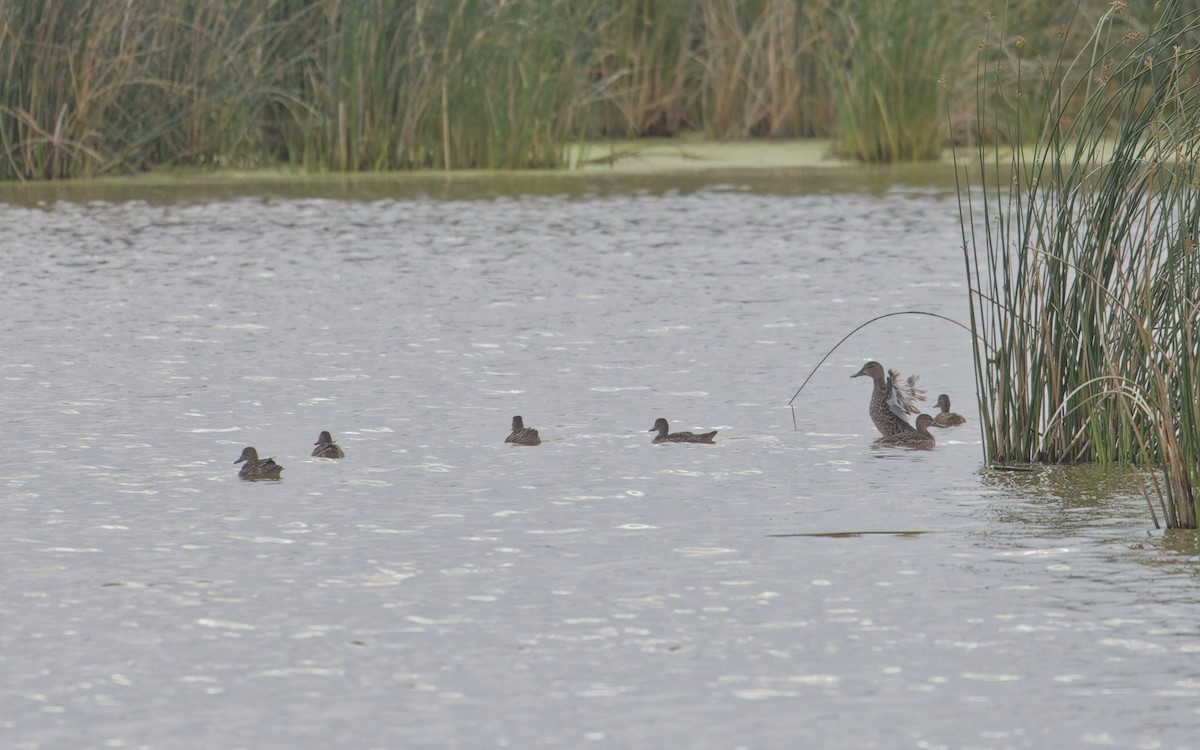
{"points": [[946, 418], [891, 399], [257, 468], [326, 448], [660, 426], [522, 435], [919, 439]]}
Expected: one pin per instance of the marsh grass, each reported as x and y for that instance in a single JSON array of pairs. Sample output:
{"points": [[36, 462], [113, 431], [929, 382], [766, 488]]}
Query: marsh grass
{"points": [[900, 60], [93, 86], [97, 86], [1081, 258], [762, 71], [641, 66], [427, 83]]}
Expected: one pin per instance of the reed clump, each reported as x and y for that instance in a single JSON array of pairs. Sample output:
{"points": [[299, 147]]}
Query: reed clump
{"points": [[98, 86], [762, 68], [1081, 255], [900, 60], [94, 86]]}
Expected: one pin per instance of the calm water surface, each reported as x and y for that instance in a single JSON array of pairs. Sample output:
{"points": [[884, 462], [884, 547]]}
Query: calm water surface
{"points": [[784, 588]]}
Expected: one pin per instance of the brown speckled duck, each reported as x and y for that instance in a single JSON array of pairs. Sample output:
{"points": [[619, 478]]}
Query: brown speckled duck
{"points": [[257, 468], [660, 426], [946, 418], [522, 435], [326, 448], [919, 439], [891, 399]]}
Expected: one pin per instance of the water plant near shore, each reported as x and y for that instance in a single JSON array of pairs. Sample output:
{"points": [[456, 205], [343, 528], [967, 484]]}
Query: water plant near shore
{"points": [[899, 59], [96, 86], [90, 87], [1081, 257]]}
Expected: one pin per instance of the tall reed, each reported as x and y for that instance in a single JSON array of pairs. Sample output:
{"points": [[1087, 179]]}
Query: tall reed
{"points": [[900, 58], [90, 86], [94, 86], [1081, 256], [460, 83], [762, 69], [60, 85], [642, 67]]}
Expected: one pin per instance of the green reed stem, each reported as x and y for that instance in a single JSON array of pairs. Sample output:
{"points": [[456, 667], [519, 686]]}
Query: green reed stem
{"points": [[1080, 256]]}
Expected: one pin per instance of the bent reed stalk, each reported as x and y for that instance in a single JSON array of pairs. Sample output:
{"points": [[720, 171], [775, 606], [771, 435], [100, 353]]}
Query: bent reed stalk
{"points": [[791, 401], [1081, 256]]}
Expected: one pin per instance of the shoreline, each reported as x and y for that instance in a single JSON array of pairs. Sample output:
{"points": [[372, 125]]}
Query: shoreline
{"points": [[652, 163]]}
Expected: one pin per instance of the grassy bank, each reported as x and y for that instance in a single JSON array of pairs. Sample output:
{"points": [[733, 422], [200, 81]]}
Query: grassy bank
{"points": [[90, 87]]}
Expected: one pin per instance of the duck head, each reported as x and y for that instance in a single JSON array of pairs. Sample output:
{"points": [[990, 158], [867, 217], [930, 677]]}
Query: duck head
{"points": [[248, 454], [871, 369]]}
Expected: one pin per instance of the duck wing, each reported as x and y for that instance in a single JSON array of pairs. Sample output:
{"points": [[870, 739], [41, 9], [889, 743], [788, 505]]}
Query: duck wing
{"points": [[902, 393], [691, 437], [524, 436]]}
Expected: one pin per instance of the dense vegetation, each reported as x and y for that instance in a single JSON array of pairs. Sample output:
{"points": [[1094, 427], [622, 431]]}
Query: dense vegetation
{"points": [[1082, 257], [98, 86]]}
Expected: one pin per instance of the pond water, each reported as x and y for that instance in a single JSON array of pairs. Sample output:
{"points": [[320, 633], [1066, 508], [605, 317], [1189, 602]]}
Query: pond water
{"points": [[437, 588]]}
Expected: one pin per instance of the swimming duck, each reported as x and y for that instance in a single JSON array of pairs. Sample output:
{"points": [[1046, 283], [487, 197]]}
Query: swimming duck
{"points": [[660, 426], [257, 468], [946, 418], [891, 399], [522, 435], [919, 439], [326, 448]]}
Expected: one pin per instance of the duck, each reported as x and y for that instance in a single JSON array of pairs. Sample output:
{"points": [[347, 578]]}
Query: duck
{"points": [[891, 399], [919, 439], [257, 468], [326, 448], [522, 435], [660, 426], [946, 418]]}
